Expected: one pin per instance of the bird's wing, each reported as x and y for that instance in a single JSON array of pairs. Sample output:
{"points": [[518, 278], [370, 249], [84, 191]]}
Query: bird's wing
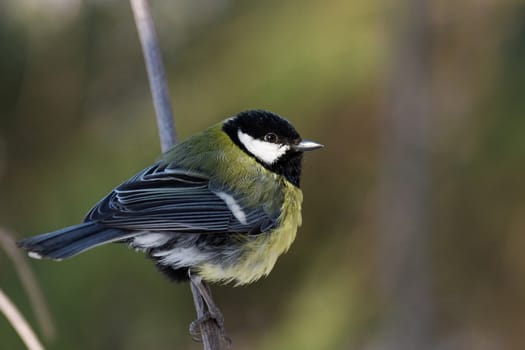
{"points": [[166, 199]]}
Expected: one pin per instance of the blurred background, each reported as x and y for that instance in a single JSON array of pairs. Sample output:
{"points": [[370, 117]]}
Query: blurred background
{"points": [[414, 214]]}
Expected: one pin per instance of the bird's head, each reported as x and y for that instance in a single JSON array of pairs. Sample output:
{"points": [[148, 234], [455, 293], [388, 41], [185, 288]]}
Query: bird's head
{"points": [[271, 140]]}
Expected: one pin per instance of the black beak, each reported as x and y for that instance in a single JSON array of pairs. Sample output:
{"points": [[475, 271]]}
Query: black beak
{"points": [[306, 145]]}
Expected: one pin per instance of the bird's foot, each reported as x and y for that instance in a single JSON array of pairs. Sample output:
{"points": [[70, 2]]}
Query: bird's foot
{"points": [[206, 307], [215, 315]]}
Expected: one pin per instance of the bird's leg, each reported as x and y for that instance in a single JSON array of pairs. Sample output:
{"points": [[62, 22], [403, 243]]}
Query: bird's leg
{"points": [[211, 311], [204, 291]]}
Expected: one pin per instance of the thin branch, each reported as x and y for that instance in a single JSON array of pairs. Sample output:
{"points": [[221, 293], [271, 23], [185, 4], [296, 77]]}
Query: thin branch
{"points": [[29, 283], [156, 75], [18, 322], [210, 332]]}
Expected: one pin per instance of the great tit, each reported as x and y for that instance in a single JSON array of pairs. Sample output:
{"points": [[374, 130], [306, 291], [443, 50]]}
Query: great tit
{"points": [[222, 205]]}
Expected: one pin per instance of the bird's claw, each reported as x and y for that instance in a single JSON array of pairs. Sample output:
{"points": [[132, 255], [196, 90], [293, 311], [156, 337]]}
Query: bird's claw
{"points": [[216, 315], [195, 328]]}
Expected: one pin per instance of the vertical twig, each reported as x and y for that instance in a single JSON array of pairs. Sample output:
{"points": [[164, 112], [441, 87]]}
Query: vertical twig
{"points": [[29, 282], [156, 75], [18, 322], [211, 337], [211, 334], [12, 314]]}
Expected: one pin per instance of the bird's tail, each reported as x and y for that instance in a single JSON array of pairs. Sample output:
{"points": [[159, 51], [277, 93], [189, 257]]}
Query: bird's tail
{"points": [[71, 241]]}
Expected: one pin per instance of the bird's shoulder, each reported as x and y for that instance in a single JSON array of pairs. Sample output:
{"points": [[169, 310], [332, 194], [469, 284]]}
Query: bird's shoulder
{"points": [[214, 155], [208, 152]]}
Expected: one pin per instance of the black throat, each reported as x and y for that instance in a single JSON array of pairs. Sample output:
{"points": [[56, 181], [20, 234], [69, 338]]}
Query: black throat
{"points": [[289, 166]]}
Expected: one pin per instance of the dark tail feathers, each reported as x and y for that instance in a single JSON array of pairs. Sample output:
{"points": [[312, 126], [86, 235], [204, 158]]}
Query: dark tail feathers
{"points": [[71, 241]]}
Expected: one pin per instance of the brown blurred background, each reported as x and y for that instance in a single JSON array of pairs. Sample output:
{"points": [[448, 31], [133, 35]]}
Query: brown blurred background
{"points": [[414, 213]]}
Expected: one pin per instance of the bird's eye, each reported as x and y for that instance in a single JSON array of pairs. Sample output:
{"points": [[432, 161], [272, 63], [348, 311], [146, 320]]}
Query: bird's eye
{"points": [[270, 137]]}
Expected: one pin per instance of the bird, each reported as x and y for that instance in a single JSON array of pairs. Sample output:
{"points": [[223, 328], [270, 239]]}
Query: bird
{"points": [[220, 207]]}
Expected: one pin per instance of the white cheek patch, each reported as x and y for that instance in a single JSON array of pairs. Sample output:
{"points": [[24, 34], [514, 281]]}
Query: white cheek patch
{"points": [[233, 206], [265, 151]]}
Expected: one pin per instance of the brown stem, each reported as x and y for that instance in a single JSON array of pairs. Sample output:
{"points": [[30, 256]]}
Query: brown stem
{"points": [[29, 283], [210, 333], [19, 323]]}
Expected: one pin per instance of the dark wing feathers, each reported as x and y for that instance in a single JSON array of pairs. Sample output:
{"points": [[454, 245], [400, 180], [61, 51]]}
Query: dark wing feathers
{"points": [[166, 199]]}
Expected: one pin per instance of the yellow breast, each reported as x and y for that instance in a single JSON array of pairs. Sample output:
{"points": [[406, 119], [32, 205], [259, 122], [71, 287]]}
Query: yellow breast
{"points": [[261, 251]]}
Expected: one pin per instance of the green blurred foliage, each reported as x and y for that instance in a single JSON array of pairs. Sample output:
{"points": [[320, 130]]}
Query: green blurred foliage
{"points": [[76, 119]]}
